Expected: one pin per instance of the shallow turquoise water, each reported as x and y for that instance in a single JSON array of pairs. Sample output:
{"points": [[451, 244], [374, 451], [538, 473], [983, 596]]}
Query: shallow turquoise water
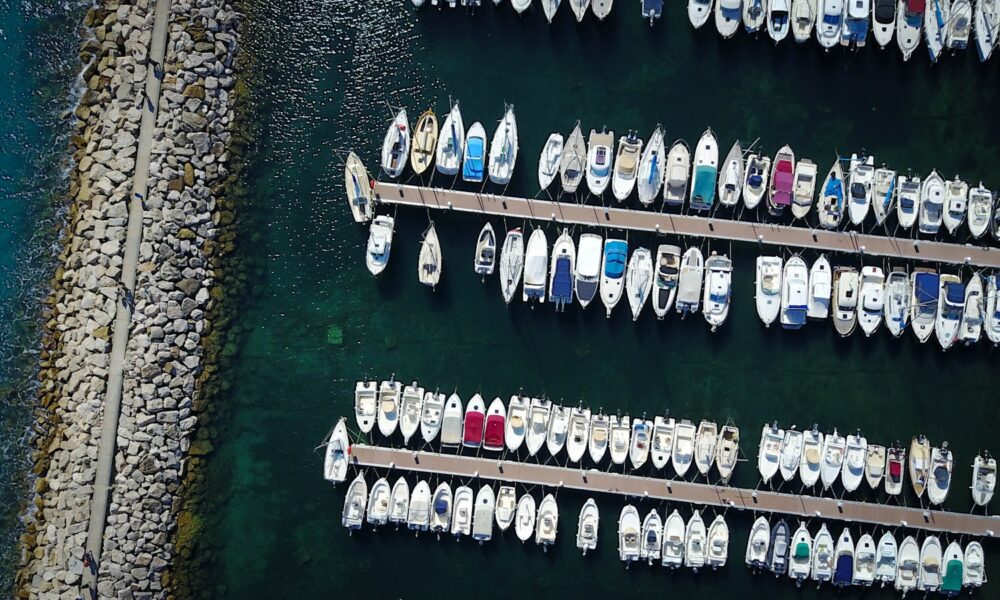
{"points": [[321, 78]]}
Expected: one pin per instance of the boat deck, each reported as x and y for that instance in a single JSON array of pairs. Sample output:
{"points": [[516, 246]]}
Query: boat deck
{"points": [[364, 455], [688, 225]]}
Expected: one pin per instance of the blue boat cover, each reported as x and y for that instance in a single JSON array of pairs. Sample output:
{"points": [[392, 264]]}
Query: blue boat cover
{"points": [[955, 293], [733, 14], [614, 259], [440, 506], [845, 570], [652, 169], [906, 202], [831, 19], [927, 288], [562, 281], [704, 187], [472, 167], [652, 8]]}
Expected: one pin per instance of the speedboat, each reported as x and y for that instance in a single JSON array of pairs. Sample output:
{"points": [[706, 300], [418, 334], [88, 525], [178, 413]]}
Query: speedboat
{"points": [[731, 179], [482, 515], [506, 507], [800, 555], [425, 138], [718, 542], [699, 11], [925, 285], [675, 188], [619, 444], [853, 469], [396, 145], [884, 190], [975, 566], [451, 423], [727, 451], [663, 441], [727, 17], [561, 271], [805, 187], [441, 509], [359, 190], [573, 161], [486, 247], [524, 518], [588, 268], [872, 300], [864, 561], [820, 287], [517, 419], [803, 19], [984, 478], [683, 455], [885, 559], [972, 315], [547, 523], [650, 538], [861, 184], [473, 425], [338, 448], [672, 552], [706, 171], [769, 453], [824, 559], [940, 479], [399, 502], [511, 263], [579, 433], [874, 465], [843, 576], [626, 166], [812, 456], [834, 448], [599, 161], [689, 281], [629, 529], [929, 578], [782, 181], [430, 261], [777, 552], [474, 157], [600, 433], [908, 199], [548, 162], [794, 293], [651, 171], [894, 461], [694, 543], [855, 31], [883, 21], [992, 325], [587, 526], [956, 200], [907, 565], [758, 172], [451, 143], [638, 451], [668, 259], [909, 25], [951, 302], [790, 458], [845, 300], [954, 564], [706, 439], [931, 203], [778, 19], [379, 244], [754, 14], [830, 205], [758, 544], [496, 417], [980, 210], [936, 19], [461, 511], [639, 280], [536, 261], [830, 22], [410, 409], [896, 302], [365, 405], [378, 503], [558, 428], [388, 407], [539, 414], [613, 272], [718, 289], [959, 27], [768, 288], [431, 415], [920, 464], [354, 503]]}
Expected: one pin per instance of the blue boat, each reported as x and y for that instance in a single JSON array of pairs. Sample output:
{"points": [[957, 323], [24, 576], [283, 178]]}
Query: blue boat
{"points": [[613, 276], [703, 190], [855, 32], [652, 9], [561, 282], [843, 574], [474, 162]]}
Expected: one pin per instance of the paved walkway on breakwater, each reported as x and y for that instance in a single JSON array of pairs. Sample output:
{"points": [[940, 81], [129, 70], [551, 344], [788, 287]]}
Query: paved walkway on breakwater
{"points": [[675, 490], [676, 224], [123, 316]]}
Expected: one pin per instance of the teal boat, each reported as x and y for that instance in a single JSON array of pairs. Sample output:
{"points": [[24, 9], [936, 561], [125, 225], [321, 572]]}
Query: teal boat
{"points": [[706, 172]]}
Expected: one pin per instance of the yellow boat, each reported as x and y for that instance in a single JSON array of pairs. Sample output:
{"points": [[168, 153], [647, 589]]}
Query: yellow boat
{"points": [[425, 137]]}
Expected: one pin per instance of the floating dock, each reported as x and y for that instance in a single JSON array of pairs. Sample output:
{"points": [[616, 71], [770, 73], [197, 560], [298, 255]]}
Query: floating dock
{"points": [[806, 507], [570, 213]]}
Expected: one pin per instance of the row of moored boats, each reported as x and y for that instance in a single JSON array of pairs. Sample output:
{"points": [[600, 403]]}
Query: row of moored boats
{"points": [[600, 8]]}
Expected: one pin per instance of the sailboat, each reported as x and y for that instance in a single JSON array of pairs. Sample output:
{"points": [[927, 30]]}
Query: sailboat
{"points": [[959, 26], [626, 166], [359, 190], [396, 145], [872, 299], [992, 325], [535, 267], [573, 161], [354, 503], [587, 526], [365, 405], [951, 302], [668, 258], [547, 523], [718, 289], [338, 448], [935, 24], [503, 149], [588, 268], [639, 280], [379, 244], [956, 202], [549, 161], [845, 300], [706, 171], [613, 272], [651, 168], [769, 453], [524, 518], [675, 188], [425, 138], [511, 263], [812, 456], [486, 247], [451, 143], [794, 293], [768, 288], [430, 260], [599, 161], [755, 186], [932, 195], [561, 271], [909, 25], [830, 206], [378, 503], [731, 180], [987, 27], [689, 282], [908, 200]]}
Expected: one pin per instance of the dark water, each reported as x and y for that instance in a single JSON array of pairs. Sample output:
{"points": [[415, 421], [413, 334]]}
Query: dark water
{"points": [[321, 77]]}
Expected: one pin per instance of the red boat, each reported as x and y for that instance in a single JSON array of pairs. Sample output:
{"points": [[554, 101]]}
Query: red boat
{"points": [[782, 181], [495, 426], [475, 414]]}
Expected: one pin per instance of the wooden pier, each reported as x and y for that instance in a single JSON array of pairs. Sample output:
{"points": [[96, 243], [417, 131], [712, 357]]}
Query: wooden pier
{"points": [[806, 507], [722, 228]]}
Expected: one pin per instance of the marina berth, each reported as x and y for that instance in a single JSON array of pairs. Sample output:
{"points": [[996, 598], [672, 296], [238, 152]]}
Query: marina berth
{"points": [[573, 161], [579, 434], [558, 427], [503, 149], [908, 199], [613, 272], [668, 260], [758, 544], [728, 15], [639, 280], [718, 289], [486, 248], [506, 507], [706, 171], [805, 185], [629, 529], [535, 267], [418, 516], [683, 455], [365, 405], [396, 145], [929, 576], [451, 145], [639, 449], [844, 573], [588, 526], [399, 502], [425, 138], [354, 503], [932, 195], [651, 172], [493, 435], [525, 517], [411, 407], [561, 271], [777, 552], [689, 282], [462, 511], [652, 531], [769, 453], [359, 191], [820, 288], [794, 293], [984, 479], [547, 523], [824, 558], [473, 425], [894, 469], [939, 482], [845, 300], [672, 551], [451, 423], [600, 434], [731, 177], [951, 302], [707, 438], [758, 173], [727, 451], [886, 554], [832, 197], [813, 445], [872, 300], [883, 193], [474, 155], [896, 305], [378, 503], [379, 244], [626, 166], [718, 543], [619, 444], [482, 516], [588, 268], [803, 20], [663, 441], [694, 543], [337, 450], [884, 21], [599, 154], [909, 25], [779, 196], [538, 424], [834, 450], [768, 288], [549, 161]]}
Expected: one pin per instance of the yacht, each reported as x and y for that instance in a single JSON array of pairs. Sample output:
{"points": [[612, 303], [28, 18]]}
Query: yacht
{"points": [[672, 552], [854, 461], [511, 263], [706, 440], [727, 17], [790, 458], [613, 272], [706, 171], [588, 268], [830, 205], [675, 188], [908, 197], [909, 25], [359, 190], [778, 24], [694, 543], [474, 157], [506, 507], [579, 433], [629, 528], [639, 280], [718, 289], [396, 145], [834, 448], [895, 459], [951, 302], [975, 567], [549, 161], [885, 559], [768, 288], [338, 448], [494, 432], [956, 201], [920, 464], [410, 409], [388, 407], [929, 576], [378, 503], [812, 456], [845, 300], [587, 526], [896, 301], [782, 180], [689, 282], [830, 22], [861, 182], [984, 478], [561, 271], [824, 559], [875, 465], [573, 161], [872, 300], [379, 244], [638, 452], [536, 261], [805, 186], [718, 543], [954, 564], [940, 479], [626, 166], [925, 285], [777, 552], [451, 143], [474, 423], [731, 177], [399, 502], [769, 454], [461, 511], [600, 433], [794, 293], [843, 576], [650, 538], [668, 260], [599, 161], [558, 429], [365, 405], [482, 515], [441, 503], [907, 565], [539, 412], [820, 287], [651, 168], [884, 190], [663, 441], [619, 441], [547, 523], [883, 21], [486, 247], [683, 456], [800, 555], [758, 544], [931, 203], [755, 186], [354, 503], [425, 138], [451, 422], [727, 451], [971, 326], [980, 209], [524, 518]]}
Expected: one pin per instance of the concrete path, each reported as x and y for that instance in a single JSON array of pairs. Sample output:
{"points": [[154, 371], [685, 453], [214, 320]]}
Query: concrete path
{"points": [[123, 318]]}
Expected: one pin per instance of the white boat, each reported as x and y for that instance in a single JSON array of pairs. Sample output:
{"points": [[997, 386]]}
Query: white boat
{"points": [[536, 263], [731, 177], [396, 145], [511, 263], [701, 196], [503, 149], [629, 528], [929, 577], [769, 452], [441, 504], [984, 479], [613, 272], [506, 507], [451, 423], [844, 575], [936, 19], [846, 284], [538, 424], [896, 301], [971, 327], [451, 143], [475, 154], [694, 543], [359, 190], [884, 188], [754, 13], [956, 200], [587, 527], [758, 543], [683, 455], [803, 19], [430, 261], [689, 282], [663, 441], [639, 280], [718, 543], [474, 423], [951, 302], [992, 325], [717, 295], [883, 21], [587, 279], [354, 503], [600, 433], [338, 449], [791, 454], [895, 461], [579, 8], [638, 451], [486, 249], [727, 17], [626, 166], [805, 187], [820, 286], [461, 512], [755, 185], [494, 430], [931, 203], [834, 449], [861, 184], [549, 7], [959, 26], [768, 288], [875, 465], [399, 502], [925, 285], [907, 565], [909, 25], [812, 456], [651, 537], [823, 555], [548, 162], [672, 551], [668, 260], [832, 197], [939, 481], [410, 409], [907, 199], [379, 244], [547, 523], [579, 433], [706, 441], [885, 559], [601, 8], [920, 464], [778, 24], [975, 566], [987, 27], [573, 161], [727, 451], [378, 503], [872, 299], [516, 422], [388, 407], [699, 11], [794, 293], [780, 193], [855, 29], [651, 170], [520, 5], [800, 555], [555, 440], [619, 441], [777, 556], [855, 457], [524, 520], [482, 514], [365, 405], [675, 188], [599, 155], [830, 22], [980, 210], [561, 271]]}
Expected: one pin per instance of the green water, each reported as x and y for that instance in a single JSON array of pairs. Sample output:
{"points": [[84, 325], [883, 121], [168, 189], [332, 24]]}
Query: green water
{"points": [[321, 75]]}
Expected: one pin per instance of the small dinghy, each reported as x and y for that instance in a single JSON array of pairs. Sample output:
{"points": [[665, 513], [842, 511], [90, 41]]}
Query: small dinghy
{"points": [[698, 12], [758, 172], [651, 170], [365, 405], [705, 173], [834, 448], [845, 300], [431, 415], [629, 529], [864, 561], [854, 461], [778, 23], [727, 17], [956, 200], [812, 456], [663, 441], [486, 247], [425, 138], [589, 256], [896, 303], [410, 409], [820, 287], [931, 204], [399, 502], [861, 186], [672, 551], [689, 282], [535, 267], [754, 13], [731, 179], [561, 271], [727, 451], [396, 146], [980, 210], [538, 424], [547, 523], [573, 161], [638, 451], [678, 173], [805, 188], [874, 465], [800, 555], [451, 143], [668, 260], [511, 263], [769, 453], [639, 280], [803, 19], [694, 543], [503, 150], [984, 478], [451, 424], [951, 302], [829, 22], [894, 464], [650, 540], [378, 503], [768, 288], [883, 193], [683, 455], [718, 543], [461, 512], [587, 526], [975, 566], [791, 454], [474, 423], [929, 577], [920, 464], [613, 272], [954, 565], [599, 161], [354, 503], [777, 552], [794, 293], [907, 200], [718, 289], [379, 244], [907, 565], [430, 260], [706, 440], [618, 446], [626, 166], [971, 327], [517, 418], [474, 156], [441, 504], [482, 515], [758, 544], [548, 162], [824, 559], [872, 299], [338, 449], [579, 433], [388, 407], [885, 559], [558, 428], [359, 189], [524, 520], [600, 433], [843, 576], [830, 205], [496, 417], [940, 479]]}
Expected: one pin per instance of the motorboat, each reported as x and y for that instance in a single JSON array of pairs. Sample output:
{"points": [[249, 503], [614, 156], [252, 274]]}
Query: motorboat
{"points": [[539, 414], [425, 138], [931, 203], [820, 288], [482, 514], [861, 183], [731, 177], [777, 550], [650, 537], [727, 451], [558, 429], [678, 173], [706, 440], [573, 161], [907, 565], [430, 261], [461, 511], [939, 483], [613, 272], [778, 23], [359, 190], [886, 553], [365, 405], [718, 542], [451, 422], [588, 268], [601, 8], [790, 460], [843, 576], [768, 288], [587, 527], [473, 425], [754, 13], [706, 171], [992, 324], [354, 503], [987, 27], [907, 196], [717, 295], [619, 444], [872, 300], [971, 327], [951, 302], [599, 155], [694, 543], [855, 458], [683, 455], [699, 11], [689, 282], [410, 409], [728, 14], [824, 558], [511, 263], [810, 468], [755, 186], [626, 166], [895, 460], [396, 145], [883, 193], [845, 300], [779, 196], [668, 260], [503, 149], [663, 441], [474, 156], [451, 143], [536, 263], [804, 191], [378, 503], [855, 31], [494, 433], [984, 478], [834, 449], [954, 565], [379, 244], [399, 502], [561, 271], [600, 433], [639, 280], [920, 464], [758, 544], [506, 507], [579, 434], [975, 566], [830, 22], [651, 171], [486, 247], [956, 204], [549, 161], [638, 451], [672, 551], [925, 285], [875, 465], [959, 26], [936, 20], [547, 523], [929, 577], [883, 21], [579, 8], [909, 25], [803, 19], [896, 301], [794, 293], [524, 518], [769, 453], [388, 407], [338, 449], [441, 503], [800, 555], [980, 210], [864, 561], [629, 529], [830, 205]]}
